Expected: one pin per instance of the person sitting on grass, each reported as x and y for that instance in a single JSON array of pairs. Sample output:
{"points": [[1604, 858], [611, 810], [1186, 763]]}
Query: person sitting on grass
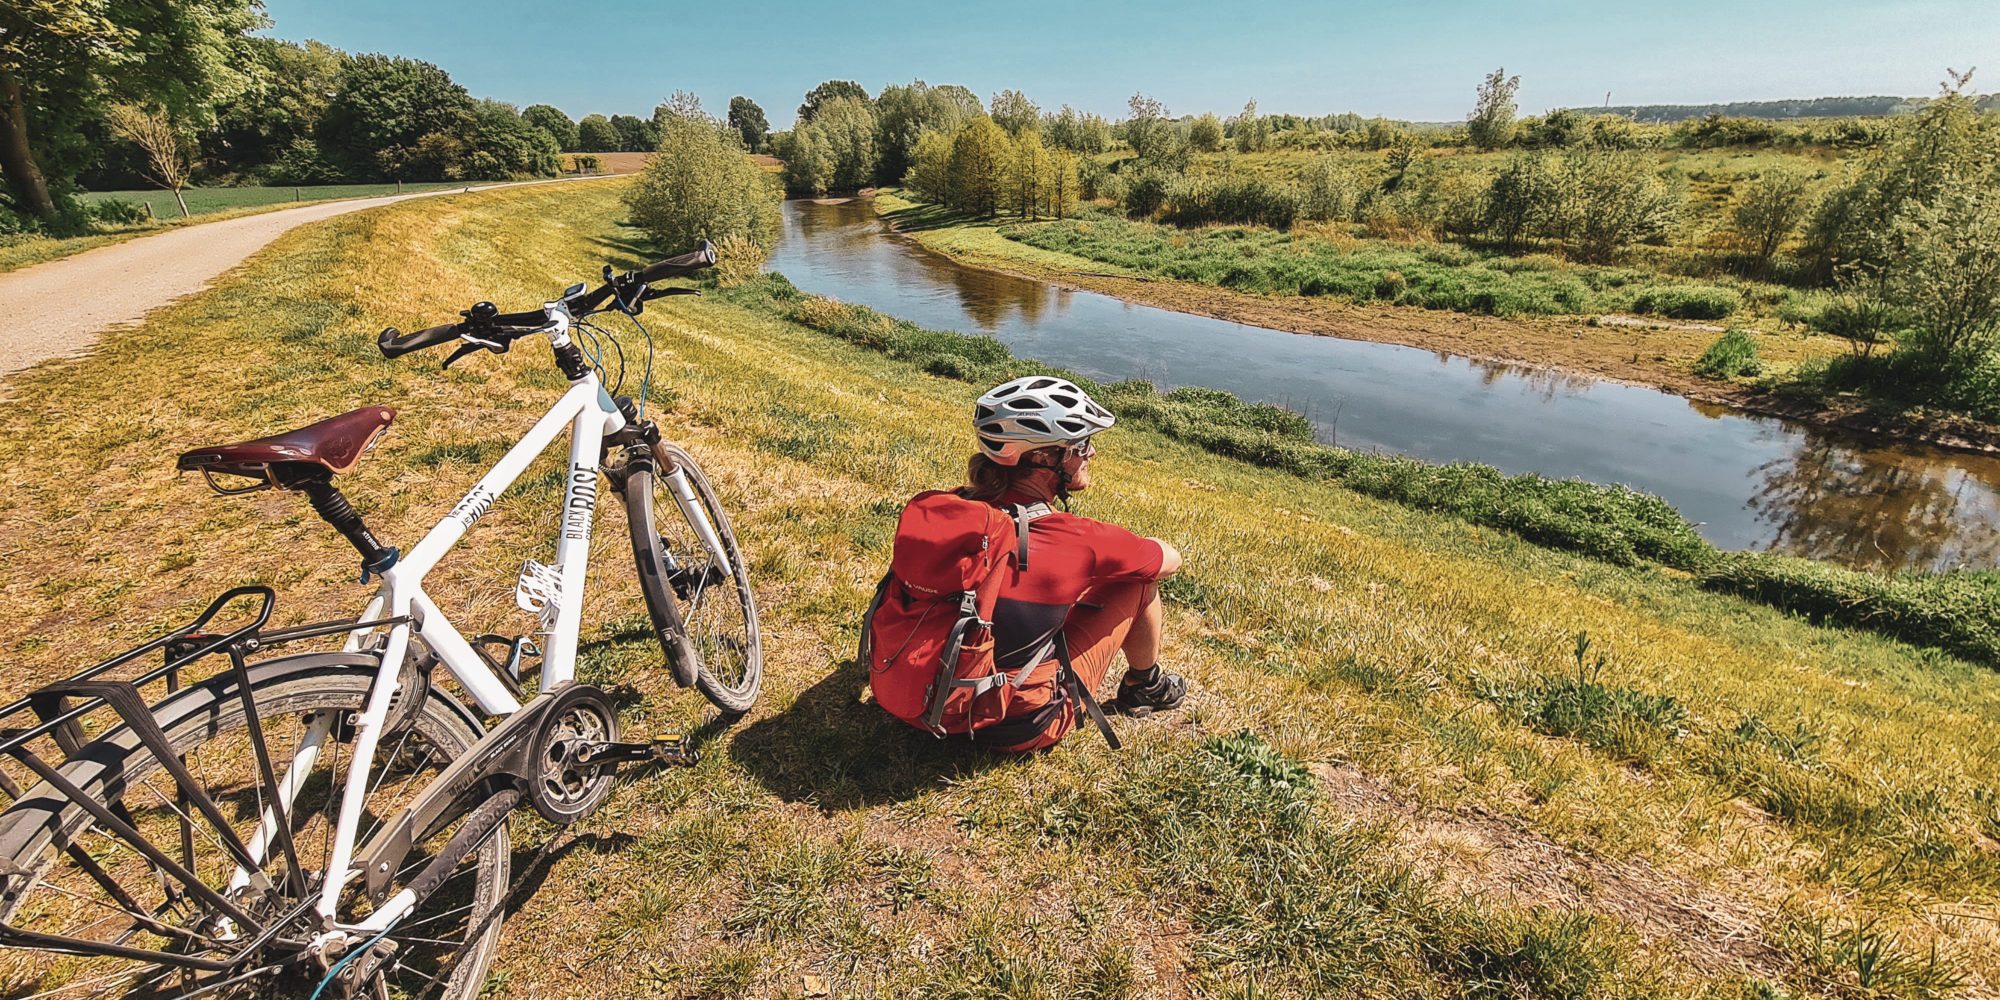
{"points": [[1095, 582]]}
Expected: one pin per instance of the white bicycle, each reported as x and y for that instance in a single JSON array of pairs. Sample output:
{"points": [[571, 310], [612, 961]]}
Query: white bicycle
{"points": [[336, 824]]}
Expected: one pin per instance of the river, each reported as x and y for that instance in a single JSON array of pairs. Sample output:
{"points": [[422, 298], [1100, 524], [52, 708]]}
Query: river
{"points": [[1747, 481]]}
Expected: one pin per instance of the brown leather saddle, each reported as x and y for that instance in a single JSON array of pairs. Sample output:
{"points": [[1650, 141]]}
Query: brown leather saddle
{"points": [[335, 445]]}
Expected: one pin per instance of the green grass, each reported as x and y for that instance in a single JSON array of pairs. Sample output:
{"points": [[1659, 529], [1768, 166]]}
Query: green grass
{"points": [[1733, 354], [206, 201], [1341, 809], [1429, 275]]}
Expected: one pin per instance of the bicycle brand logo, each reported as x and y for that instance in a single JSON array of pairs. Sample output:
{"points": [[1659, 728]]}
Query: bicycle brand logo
{"points": [[474, 506], [581, 504]]}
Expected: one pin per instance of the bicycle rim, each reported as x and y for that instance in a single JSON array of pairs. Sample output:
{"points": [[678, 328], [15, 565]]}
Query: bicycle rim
{"points": [[711, 595], [442, 949]]}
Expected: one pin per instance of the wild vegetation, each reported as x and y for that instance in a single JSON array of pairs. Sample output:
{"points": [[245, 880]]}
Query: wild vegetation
{"points": [[1879, 231], [1402, 773]]}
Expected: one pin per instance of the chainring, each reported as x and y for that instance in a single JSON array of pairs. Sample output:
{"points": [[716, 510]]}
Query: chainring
{"points": [[561, 789]]}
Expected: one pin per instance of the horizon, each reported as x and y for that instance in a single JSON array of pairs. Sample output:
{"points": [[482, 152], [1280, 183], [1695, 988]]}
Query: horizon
{"points": [[1565, 56]]}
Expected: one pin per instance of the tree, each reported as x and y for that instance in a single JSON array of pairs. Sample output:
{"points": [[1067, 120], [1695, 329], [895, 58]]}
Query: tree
{"points": [[701, 185], [1028, 175], [498, 143], [1606, 201], [550, 119], [1205, 134], [1146, 128], [594, 134], [635, 134], [388, 102], [975, 171], [1064, 187], [275, 120], [808, 160], [904, 112], [679, 104], [848, 126], [169, 154], [63, 61], [748, 121], [929, 176], [1769, 212], [831, 89], [1250, 129], [1012, 111], [1491, 123], [1946, 277], [1519, 200]]}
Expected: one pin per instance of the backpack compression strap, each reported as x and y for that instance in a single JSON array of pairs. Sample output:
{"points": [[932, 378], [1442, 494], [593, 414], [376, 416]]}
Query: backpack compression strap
{"points": [[969, 620], [1081, 690]]}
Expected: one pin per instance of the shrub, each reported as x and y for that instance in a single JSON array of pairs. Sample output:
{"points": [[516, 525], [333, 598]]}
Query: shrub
{"points": [[1687, 301], [1329, 189], [119, 212], [701, 185], [1732, 355], [1958, 611], [1237, 200], [738, 258], [1145, 193]]}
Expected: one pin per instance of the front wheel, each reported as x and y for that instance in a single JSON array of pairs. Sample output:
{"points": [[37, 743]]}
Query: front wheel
{"points": [[696, 585]]}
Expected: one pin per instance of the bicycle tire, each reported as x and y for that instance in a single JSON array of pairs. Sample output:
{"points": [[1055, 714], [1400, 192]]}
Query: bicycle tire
{"points": [[732, 686], [36, 831]]}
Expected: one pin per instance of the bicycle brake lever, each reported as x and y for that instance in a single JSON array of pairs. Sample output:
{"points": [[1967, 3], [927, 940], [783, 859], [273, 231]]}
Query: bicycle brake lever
{"points": [[463, 350]]}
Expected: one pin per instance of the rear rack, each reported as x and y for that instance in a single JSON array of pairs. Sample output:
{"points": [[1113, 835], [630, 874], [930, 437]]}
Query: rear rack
{"points": [[46, 732]]}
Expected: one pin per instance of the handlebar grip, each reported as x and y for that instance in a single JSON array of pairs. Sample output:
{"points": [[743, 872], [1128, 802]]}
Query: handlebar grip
{"points": [[395, 343], [681, 266]]}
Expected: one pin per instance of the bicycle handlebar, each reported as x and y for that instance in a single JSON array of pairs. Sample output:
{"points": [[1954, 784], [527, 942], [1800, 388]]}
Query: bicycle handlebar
{"points": [[483, 322]]}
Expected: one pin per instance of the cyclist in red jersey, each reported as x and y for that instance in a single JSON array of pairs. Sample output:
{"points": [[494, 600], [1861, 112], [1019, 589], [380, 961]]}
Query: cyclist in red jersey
{"points": [[1095, 582]]}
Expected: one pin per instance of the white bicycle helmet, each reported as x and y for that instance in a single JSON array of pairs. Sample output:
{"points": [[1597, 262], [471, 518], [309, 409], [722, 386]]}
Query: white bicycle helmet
{"points": [[1036, 411]]}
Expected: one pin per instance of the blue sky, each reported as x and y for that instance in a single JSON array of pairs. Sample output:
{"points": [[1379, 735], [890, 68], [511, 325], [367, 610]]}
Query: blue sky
{"points": [[1409, 59]]}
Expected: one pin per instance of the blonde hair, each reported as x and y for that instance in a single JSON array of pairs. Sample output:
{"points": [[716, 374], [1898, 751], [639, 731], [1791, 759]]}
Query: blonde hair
{"points": [[988, 480]]}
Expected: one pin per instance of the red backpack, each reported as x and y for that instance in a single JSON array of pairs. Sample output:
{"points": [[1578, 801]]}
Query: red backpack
{"points": [[928, 634]]}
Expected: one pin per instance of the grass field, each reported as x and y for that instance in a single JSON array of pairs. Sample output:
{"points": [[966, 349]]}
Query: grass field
{"points": [[1401, 774], [206, 201]]}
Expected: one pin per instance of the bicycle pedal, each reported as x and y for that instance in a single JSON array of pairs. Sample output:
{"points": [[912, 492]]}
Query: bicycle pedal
{"points": [[675, 751]]}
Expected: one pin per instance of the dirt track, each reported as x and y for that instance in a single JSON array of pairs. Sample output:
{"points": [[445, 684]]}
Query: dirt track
{"points": [[60, 308]]}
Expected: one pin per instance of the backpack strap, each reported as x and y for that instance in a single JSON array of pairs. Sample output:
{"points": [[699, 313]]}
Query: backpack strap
{"points": [[866, 647], [1024, 515], [1081, 691]]}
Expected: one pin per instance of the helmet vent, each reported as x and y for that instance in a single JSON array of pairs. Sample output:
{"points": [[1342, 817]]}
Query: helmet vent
{"points": [[1023, 403], [982, 413], [1072, 426], [1006, 391], [991, 445], [1064, 400], [1033, 424], [1041, 383]]}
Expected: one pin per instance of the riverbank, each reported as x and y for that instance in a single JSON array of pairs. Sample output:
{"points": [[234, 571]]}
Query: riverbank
{"points": [[1379, 787], [1635, 350]]}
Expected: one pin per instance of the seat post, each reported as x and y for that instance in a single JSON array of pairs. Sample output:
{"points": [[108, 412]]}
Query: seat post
{"points": [[332, 507]]}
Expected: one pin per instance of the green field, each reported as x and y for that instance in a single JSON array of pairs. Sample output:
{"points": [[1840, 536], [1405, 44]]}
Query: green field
{"points": [[206, 201], [1399, 775]]}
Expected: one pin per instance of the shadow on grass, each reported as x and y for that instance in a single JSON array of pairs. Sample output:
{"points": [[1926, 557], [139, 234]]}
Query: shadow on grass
{"points": [[918, 218], [836, 752]]}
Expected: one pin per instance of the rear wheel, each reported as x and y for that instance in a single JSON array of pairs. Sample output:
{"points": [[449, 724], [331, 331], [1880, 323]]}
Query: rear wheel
{"points": [[49, 846], [696, 585]]}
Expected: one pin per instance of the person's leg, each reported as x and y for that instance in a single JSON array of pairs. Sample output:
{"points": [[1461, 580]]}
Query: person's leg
{"points": [[1142, 641], [1106, 622]]}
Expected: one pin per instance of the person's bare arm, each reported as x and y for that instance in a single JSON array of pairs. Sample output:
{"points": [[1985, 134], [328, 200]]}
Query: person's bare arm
{"points": [[1170, 558]]}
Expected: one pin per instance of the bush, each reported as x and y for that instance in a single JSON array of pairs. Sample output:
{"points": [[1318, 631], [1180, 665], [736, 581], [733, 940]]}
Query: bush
{"points": [[1732, 355], [1145, 193], [1237, 200], [701, 185], [1958, 611], [738, 258], [119, 212], [1687, 301]]}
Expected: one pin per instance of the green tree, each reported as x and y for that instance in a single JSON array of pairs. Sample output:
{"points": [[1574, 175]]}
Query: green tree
{"points": [[550, 119], [1769, 213], [1491, 123], [1078, 132], [594, 134], [1064, 187], [1946, 277], [63, 61], [498, 143], [848, 126], [389, 103], [1329, 189], [1205, 133], [276, 118], [831, 89], [701, 185], [1519, 200], [929, 176], [1608, 200], [679, 104], [808, 160], [1250, 130], [904, 112], [748, 121], [975, 173], [1148, 131], [635, 134], [1012, 111], [1029, 173]]}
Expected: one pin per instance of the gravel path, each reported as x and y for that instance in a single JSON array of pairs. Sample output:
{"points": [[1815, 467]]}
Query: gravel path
{"points": [[60, 308]]}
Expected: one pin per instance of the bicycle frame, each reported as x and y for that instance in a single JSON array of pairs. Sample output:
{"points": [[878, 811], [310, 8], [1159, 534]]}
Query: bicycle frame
{"points": [[590, 414]]}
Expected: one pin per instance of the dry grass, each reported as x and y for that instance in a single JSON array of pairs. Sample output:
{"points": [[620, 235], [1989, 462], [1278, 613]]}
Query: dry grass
{"points": [[1827, 796]]}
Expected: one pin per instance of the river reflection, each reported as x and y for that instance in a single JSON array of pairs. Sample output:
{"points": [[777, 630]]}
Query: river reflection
{"points": [[1748, 481]]}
